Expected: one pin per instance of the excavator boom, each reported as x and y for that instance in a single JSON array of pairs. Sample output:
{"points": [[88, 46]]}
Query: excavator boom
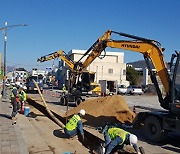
{"points": [[149, 48]]}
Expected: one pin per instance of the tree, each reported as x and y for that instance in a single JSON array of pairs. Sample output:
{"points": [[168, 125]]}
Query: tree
{"points": [[132, 76]]}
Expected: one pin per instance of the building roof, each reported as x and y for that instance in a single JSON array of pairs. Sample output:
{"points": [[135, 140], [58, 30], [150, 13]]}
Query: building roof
{"points": [[110, 53], [20, 69]]}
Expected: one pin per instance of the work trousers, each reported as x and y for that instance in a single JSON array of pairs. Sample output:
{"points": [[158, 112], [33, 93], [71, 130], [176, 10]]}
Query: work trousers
{"points": [[71, 133], [111, 144], [15, 106]]}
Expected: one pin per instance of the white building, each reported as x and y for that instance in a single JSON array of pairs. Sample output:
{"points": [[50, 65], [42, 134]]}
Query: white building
{"points": [[20, 75], [36, 72], [111, 67]]}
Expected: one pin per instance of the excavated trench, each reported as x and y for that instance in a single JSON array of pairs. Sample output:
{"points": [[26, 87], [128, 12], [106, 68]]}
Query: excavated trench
{"points": [[91, 141]]}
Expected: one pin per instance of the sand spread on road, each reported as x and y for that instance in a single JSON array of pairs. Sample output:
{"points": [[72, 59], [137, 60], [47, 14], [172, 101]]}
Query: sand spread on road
{"points": [[110, 109]]}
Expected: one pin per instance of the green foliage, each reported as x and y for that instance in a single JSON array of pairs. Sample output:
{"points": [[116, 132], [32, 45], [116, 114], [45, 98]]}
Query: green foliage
{"points": [[1, 74], [132, 76]]}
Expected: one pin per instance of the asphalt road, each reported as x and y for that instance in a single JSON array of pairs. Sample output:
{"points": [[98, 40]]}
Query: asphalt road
{"points": [[171, 143]]}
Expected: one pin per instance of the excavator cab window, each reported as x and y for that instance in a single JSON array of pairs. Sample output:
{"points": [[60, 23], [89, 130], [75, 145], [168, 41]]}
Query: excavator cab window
{"points": [[92, 76], [85, 81], [175, 78]]}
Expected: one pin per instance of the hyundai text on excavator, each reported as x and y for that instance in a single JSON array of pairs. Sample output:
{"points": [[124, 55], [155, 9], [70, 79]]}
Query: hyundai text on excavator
{"points": [[81, 84], [158, 123]]}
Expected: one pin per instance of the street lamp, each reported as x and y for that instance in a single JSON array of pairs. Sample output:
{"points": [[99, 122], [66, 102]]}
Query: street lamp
{"points": [[4, 30]]}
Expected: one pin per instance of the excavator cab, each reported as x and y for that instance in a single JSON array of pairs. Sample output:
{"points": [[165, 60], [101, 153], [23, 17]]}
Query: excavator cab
{"points": [[85, 82], [175, 85]]}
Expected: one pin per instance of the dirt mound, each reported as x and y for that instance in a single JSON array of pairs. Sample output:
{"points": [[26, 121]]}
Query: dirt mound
{"points": [[110, 109]]}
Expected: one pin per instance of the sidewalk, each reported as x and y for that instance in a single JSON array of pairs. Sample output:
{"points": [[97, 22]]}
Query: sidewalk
{"points": [[11, 138]]}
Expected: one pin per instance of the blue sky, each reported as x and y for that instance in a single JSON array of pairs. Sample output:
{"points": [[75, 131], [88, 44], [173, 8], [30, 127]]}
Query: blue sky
{"points": [[68, 24]]}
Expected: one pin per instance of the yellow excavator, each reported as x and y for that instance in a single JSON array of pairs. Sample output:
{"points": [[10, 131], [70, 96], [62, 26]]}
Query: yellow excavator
{"points": [[156, 123], [81, 83]]}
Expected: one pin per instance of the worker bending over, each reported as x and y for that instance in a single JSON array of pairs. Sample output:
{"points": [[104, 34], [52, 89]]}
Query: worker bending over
{"points": [[75, 126], [116, 138]]}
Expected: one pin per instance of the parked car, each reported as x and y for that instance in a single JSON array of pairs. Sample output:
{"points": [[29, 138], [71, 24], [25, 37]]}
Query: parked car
{"points": [[133, 89], [122, 89], [7, 84]]}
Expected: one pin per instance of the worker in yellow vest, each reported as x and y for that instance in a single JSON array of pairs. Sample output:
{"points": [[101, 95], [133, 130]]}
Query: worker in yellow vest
{"points": [[64, 89], [117, 137], [14, 102], [23, 96], [23, 99], [75, 126]]}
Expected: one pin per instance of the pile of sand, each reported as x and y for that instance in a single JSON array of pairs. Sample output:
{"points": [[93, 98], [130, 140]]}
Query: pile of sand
{"points": [[110, 109]]}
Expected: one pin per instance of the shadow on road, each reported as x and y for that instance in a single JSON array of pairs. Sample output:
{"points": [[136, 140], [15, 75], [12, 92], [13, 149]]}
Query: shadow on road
{"points": [[5, 116], [59, 133], [34, 115], [167, 147]]}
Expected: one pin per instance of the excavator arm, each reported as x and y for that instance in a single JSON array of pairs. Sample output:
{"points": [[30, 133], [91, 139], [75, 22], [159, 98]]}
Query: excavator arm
{"points": [[149, 48], [59, 54]]}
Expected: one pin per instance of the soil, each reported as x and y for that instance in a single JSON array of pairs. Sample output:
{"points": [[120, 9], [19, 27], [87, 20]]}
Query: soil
{"points": [[111, 109]]}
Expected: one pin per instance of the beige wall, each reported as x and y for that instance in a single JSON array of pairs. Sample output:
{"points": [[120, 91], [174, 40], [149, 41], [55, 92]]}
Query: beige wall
{"points": [[102, 71], [113, 61]]}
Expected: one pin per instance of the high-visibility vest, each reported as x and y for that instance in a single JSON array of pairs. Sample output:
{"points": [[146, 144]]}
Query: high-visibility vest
{"points": [[23, 96], [72, 124], [114, 132], [64, 89], [12, 94]]}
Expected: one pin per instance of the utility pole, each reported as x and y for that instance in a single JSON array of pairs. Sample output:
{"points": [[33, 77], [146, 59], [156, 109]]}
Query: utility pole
{"points": [[4, 30]]}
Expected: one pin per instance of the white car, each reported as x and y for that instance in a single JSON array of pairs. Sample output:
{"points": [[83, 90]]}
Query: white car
{"points": [[133, 89], [122, 89]]}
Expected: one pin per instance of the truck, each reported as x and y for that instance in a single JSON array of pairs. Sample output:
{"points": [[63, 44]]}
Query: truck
{"points": [[156, 124], [31, 88]]}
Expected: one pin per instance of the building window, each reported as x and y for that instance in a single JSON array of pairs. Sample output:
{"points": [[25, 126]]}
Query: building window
{"points": [[124, 72], [110, 71]]}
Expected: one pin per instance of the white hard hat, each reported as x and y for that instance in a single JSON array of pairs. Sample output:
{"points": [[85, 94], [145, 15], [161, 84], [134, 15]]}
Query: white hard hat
{"points": [[82, 112], [133, 139]]}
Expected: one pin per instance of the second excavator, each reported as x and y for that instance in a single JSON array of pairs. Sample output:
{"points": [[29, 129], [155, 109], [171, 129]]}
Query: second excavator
{"points": [[80, 85]]}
